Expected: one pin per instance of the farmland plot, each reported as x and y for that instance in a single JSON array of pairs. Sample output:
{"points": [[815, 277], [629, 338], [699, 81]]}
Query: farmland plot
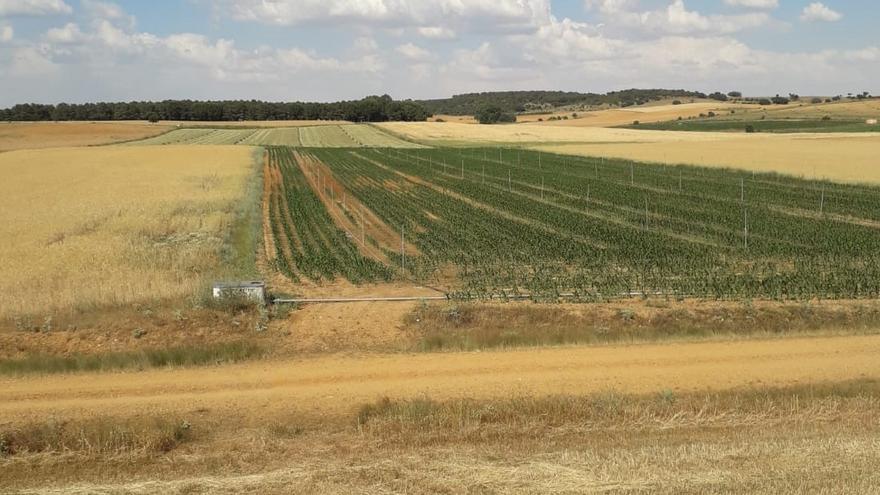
{"points": [[307, 244], [317, 136], [102, 227], [512, 221], [368, 135], [326, 137]]}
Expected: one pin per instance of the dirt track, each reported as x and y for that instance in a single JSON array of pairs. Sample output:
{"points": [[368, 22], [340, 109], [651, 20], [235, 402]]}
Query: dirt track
{"points": [[339, 384]]}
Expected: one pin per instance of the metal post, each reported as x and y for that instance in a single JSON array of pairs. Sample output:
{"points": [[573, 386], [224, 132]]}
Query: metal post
{"points": [[462, 168], [509, 183], [632, 175], [742, 190], [745, 228], [822, 201]]}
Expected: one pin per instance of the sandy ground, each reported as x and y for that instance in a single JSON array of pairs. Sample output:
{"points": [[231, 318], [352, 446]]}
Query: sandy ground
{"points": [[339, 384], [27, 135]]}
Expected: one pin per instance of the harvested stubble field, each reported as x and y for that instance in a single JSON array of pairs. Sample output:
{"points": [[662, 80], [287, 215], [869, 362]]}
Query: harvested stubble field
{"points": [[86, 228], [681, 418], [34, 135], [323, 136], [623, 116], [839, 157]]}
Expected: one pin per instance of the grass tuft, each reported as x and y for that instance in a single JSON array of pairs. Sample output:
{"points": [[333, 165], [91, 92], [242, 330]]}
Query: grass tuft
{"points": [[99, 436]]}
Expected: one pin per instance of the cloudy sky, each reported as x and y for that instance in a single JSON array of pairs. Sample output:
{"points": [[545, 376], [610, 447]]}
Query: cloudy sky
{"points": [[88, 50]]}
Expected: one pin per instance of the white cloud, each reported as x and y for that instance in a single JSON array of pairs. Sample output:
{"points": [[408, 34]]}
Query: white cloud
{"points": [[753, 4], [624, 18], [68, 34], [869, 54], [103, 10], [413, 52], [32, 61], [817, 11], [611, 6], [436, 32], [33, 7], [439, 18], [6, 33], [100, 10], [567, 40]]}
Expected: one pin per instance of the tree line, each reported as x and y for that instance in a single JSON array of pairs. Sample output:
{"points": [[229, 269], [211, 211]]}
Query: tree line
{"points": [[523, 101], [370, 109]]}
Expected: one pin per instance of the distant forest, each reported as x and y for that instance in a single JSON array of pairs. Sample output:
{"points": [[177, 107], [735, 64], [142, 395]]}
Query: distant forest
{"points": [[370, 109], [523, 101]]}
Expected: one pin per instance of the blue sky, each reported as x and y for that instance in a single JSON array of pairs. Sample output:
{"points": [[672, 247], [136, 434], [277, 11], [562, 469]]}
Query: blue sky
{"points": [[90, 50]]}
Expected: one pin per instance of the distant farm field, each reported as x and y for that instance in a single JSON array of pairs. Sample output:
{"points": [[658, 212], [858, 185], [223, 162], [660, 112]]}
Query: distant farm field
{"points": [[495, 222], [838, 157], [622, 116], [322, 136], [32, 135], [849, 157], [92, 227], [776, 126]]}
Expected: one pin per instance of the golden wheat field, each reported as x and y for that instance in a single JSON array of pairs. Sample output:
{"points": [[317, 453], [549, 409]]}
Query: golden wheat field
{"points": [[89, 227], [30, 135]]}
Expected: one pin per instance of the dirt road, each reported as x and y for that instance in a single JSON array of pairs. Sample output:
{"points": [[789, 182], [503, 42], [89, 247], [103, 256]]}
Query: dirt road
{"points": [[340, 384]]}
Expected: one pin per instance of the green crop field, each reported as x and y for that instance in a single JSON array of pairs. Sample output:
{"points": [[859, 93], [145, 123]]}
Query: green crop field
{"points": [[510, 221], [725, 125], [333, 136]]}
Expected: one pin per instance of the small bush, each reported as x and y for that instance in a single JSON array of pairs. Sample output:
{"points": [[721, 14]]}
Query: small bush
{"points": [[635, 122], [750, 128]]}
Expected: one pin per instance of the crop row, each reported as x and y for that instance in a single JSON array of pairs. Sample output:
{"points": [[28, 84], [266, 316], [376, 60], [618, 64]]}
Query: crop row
{"points": [[520, 221], [308, 244]]}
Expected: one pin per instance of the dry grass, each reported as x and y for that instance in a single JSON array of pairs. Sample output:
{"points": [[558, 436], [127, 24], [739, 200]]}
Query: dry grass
{"points": [[98, 436], [87, 228], [210, 354], [804, 439], [34, 135], [472, 326]]}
